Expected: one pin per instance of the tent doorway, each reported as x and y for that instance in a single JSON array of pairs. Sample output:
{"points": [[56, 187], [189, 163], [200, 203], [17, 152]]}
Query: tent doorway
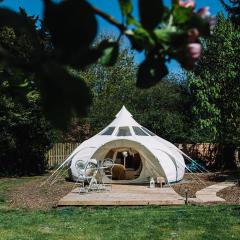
{"points": [[128, 163]]}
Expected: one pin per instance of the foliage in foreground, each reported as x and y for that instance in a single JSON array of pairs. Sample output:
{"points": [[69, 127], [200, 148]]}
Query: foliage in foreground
{"points": [[163, 108], [69, 28]]}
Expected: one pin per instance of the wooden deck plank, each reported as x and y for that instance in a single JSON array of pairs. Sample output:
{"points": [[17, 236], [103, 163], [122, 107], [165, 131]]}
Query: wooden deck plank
{"points": [[128, 195]]}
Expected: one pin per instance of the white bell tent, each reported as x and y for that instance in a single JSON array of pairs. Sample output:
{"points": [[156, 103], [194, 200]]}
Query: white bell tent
{"points": [[137, 153]]}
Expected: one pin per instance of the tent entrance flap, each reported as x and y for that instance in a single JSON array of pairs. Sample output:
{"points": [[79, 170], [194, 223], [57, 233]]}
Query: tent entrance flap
{"points": [[128, 163]]}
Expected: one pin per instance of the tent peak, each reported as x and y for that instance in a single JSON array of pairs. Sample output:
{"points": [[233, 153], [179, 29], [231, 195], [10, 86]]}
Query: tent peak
{"points": [[123, 118], [123, 112]]}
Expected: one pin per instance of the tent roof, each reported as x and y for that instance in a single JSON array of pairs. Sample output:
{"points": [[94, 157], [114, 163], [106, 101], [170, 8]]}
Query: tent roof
{"points": [[124, 122], [123, 118]]}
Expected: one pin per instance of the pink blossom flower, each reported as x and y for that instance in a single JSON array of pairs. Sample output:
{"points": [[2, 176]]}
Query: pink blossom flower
{"points": [[188, 55], [204, 12], [187, 3], [194, 50]]}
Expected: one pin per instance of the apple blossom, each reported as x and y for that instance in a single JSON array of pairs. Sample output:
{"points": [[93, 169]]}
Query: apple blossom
{"points": [[187, 3], [194, 50], [204, 12]]}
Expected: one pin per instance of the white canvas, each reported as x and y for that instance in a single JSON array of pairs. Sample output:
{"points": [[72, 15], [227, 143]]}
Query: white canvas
{"points": [[159, 158]]}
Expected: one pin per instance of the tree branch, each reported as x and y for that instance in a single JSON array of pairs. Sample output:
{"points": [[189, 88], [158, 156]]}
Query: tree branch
{"points": [[110, 19]]}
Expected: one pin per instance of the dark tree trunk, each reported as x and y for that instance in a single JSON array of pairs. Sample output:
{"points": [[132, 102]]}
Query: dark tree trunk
{"points": [[226, 157]]}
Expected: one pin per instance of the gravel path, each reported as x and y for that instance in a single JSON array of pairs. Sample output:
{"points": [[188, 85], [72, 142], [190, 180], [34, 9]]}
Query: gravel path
{"points": [[195, 182]]}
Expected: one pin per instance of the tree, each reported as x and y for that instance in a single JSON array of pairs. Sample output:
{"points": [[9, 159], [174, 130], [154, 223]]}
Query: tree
{"points": [[162, 108], [233, 9], [215, 87], [70, 28], [25, 137], [25, 134]]}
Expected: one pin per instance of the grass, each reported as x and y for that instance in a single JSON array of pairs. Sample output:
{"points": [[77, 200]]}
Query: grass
{"points": [[209, 222], [182, 223]]}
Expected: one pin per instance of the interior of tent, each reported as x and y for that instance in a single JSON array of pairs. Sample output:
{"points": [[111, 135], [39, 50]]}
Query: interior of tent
{"points": [[133, 162], [127, 163]]}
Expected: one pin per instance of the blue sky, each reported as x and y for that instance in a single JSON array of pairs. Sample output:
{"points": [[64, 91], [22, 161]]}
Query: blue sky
{"points": [[35, 7]]}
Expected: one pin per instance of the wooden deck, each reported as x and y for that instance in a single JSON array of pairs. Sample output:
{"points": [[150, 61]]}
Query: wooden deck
{"points": [[128, 195]]}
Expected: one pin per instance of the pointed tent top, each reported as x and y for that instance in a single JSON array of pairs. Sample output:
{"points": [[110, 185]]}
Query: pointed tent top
{"points": [[124, 118], [124, 112]]}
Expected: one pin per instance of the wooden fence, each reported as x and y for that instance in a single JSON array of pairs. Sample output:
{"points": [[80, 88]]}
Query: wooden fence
{"points": [[59, 152], [205, 152]]}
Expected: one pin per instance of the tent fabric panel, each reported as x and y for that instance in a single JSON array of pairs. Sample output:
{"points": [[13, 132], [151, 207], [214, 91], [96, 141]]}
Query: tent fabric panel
{"points": [[167, 164], [160, 157]]}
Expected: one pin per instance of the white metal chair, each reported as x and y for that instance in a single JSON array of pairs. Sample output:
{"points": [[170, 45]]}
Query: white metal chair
{"points": [[93, 172], [85, 173], [106, 170]]}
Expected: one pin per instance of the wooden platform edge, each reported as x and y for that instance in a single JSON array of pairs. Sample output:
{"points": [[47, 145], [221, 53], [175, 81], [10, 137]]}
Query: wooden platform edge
{"points": [[120, 203]]}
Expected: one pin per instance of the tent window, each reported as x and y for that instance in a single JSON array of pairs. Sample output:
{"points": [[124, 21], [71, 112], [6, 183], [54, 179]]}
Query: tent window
{"points": [[148, 131], [138, 131], [108, 131], [124, 131]]}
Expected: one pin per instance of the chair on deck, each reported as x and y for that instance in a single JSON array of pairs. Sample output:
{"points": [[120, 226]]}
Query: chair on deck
{"points": [[86, 172], [92, 172]]}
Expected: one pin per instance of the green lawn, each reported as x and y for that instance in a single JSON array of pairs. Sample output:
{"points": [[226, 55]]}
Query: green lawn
{"points": [[188, 222]]}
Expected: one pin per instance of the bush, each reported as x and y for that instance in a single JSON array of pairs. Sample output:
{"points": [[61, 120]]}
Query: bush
{"points": [[25, 137]]}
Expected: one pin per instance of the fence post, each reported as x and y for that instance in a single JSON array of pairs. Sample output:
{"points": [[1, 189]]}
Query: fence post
{"points": [[59, 152]]}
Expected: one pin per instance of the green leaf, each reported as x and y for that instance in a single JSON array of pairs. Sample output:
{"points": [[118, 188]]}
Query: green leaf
{"points": [[181, 15], [151, 13], [62, 94], [33, 95], [110, 51], [170, 36], [125, 6], [141, 39], [151, 71], [164, 34], [132, 21], [24, 84], [72, 24], [82, 59]]}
